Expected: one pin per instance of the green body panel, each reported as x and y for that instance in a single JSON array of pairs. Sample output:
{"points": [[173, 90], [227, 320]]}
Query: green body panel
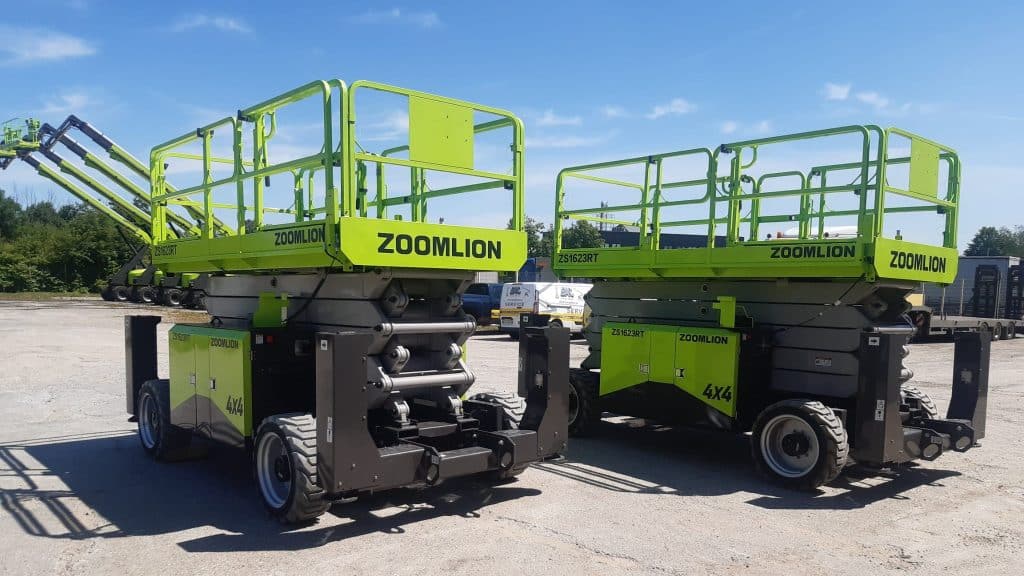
{"points": [[440, 133], [364, 242], [181, 348], [778, 258], [368, 242], [272, 311], [703, 362], [211, 380], [901, 260], [735, 223]]}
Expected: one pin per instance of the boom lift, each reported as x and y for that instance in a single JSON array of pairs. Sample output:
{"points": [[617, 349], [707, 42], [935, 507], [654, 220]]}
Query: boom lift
{"points": [[797, 336], [136, 280], [336, 349]]}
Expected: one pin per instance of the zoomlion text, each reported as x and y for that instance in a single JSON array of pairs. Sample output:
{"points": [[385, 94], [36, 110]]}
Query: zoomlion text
{"points": [[918, 262], [842, 251], [703, 339], [423, 245]]}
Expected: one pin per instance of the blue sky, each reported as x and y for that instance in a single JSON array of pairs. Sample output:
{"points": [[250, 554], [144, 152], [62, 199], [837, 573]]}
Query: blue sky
{"points": [[592, 80]]}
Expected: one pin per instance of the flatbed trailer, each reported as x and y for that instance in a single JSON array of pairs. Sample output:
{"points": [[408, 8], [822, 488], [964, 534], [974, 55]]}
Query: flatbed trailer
{"points": [[929, 324]]}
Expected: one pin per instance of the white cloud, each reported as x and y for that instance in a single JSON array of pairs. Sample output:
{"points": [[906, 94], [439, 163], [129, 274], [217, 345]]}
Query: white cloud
{"points": [[225, 23], [549, 118], [425, 19], [676, 107], [393, 126], [873, 99], [32, 45], [614, 112], [759, 128], [67, 103], [836, 91], [540, 142]]}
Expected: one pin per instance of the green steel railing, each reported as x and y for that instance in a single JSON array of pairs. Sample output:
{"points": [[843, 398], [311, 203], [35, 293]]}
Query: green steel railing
{"points": [[440, 141], [724, 197]]}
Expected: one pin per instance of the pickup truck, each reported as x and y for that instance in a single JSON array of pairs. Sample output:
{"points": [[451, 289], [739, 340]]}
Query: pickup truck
{"points": [[480, 299]]}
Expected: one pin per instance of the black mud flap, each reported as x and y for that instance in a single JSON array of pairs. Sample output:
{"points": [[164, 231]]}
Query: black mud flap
{"points": [[139, 356]]}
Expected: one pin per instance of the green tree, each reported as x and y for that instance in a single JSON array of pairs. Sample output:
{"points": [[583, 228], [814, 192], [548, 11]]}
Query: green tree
{"points": [[992, 241], [43, 248], [43, 213], [582, 234], [10, 216], [538, 237]]}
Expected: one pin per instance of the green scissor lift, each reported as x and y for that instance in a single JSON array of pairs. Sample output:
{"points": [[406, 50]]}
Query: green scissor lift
{"points": [[787, 320], [136, 280], [336, 350]]}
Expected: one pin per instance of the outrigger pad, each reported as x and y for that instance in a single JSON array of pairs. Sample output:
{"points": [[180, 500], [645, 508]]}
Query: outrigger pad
{"points": [[970, 379]]}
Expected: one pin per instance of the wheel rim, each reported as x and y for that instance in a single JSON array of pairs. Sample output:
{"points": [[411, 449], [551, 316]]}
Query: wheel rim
{"points": [[274, 470], [574, 405], [174, 298], [149, 422], [789, 446]]}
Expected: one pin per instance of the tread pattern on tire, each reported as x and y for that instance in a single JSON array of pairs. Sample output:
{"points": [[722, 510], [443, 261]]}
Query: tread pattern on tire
{"points": [[588, 418], [837, 447], [913, 396], [512, 405], [171, 297], [172, 440], [307, 500], [121, 293]]}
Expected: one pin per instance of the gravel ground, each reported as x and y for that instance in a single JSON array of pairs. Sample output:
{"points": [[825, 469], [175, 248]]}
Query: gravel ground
{"points": [[77, 495]]}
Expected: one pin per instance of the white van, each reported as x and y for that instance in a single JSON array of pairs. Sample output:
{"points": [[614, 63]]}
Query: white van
{"points": [[561, 302]]}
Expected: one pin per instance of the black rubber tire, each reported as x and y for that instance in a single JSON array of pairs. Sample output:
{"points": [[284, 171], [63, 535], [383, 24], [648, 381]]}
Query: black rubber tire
{"points": [[199, 301], [147, 295], [586, 418], [513, 407], [918, 400], [120, 293], [833, 444], [171, 296], [168, 441], [556, 323], [305, 501], [107, 293]]}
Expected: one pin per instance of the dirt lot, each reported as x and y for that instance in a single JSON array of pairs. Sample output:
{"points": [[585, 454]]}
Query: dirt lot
{"points": [[79, 497]]}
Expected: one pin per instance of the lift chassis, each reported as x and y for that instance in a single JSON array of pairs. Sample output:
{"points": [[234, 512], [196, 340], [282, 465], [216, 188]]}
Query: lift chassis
{"points": [[796, 336], [245, 377]]}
